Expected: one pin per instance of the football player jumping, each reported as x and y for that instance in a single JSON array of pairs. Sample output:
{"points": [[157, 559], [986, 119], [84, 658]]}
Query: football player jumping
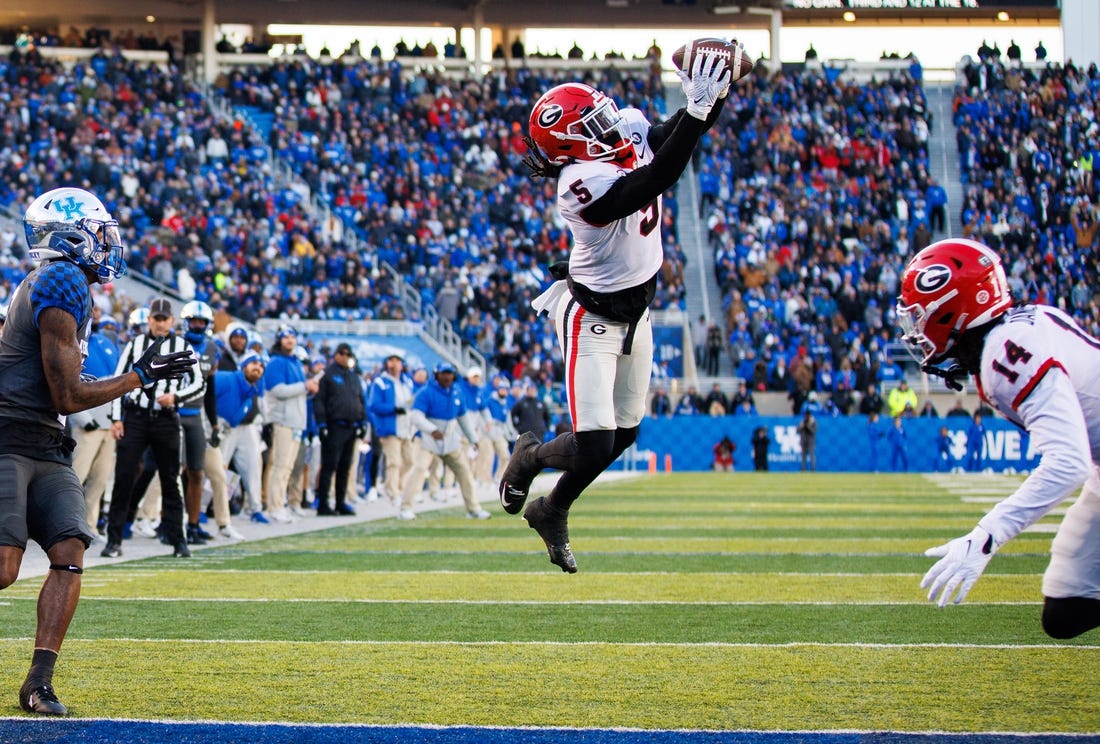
{"points": [[1037, 368], [612, 167]]}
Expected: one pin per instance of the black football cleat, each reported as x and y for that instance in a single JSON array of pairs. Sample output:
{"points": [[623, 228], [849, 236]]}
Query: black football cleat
{"points": [[41, 700], [195, 535], [522, 469], [552, 525], [182, 551], [112, 550]]}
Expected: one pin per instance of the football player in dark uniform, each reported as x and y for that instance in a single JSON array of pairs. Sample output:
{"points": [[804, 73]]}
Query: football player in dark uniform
{"points": [[76, 243]]}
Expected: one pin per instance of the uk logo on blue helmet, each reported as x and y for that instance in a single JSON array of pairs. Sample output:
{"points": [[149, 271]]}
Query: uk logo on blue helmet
{"points": [[72, 224]]}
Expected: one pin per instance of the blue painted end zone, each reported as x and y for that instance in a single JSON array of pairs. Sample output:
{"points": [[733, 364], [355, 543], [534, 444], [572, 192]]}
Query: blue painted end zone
{"points": [[38, 731]]}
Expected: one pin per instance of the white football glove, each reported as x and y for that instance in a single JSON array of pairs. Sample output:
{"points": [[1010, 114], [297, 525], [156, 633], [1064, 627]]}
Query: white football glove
{"points": [[710, 76], [962, 561]]}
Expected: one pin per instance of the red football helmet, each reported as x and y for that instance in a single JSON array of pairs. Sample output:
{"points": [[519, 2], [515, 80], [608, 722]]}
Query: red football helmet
{"points": [[948, 287], [575, 121]]}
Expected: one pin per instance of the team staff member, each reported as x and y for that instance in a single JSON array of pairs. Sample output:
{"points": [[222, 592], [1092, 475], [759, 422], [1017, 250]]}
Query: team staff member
{"points": [[612, 168], [236, 392], [148, 418], [76, 242], [246, 455], [197, 318], [341, 418], [439, 413], [389, 399], [285, 390]]}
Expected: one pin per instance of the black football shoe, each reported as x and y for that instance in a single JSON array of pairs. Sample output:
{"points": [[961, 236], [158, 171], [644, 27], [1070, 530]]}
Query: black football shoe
{"points": [[41, 700], [182, 551], [552, 525], [521, 470]]}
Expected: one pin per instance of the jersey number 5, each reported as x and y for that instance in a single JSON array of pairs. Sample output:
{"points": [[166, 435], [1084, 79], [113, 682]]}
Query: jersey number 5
{"points": [[1014, 353], [651, 213]]}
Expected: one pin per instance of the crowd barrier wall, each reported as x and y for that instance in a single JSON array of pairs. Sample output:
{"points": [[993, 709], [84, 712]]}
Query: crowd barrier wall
{"points": [[844, 444]]}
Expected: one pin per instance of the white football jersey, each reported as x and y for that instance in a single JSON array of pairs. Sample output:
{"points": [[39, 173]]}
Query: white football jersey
{"points": [[1040, 370], [627, 252]]}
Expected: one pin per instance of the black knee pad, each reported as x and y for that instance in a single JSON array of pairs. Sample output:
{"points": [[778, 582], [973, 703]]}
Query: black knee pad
{"points": [[1069, 617], [624, 438]]}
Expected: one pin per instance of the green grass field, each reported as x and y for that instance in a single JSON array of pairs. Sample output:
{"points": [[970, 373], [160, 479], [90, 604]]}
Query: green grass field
{"points": [[704, 601]]}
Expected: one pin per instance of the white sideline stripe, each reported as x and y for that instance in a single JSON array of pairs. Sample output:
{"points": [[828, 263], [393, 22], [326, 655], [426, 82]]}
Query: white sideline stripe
{"points": [[955, 735], [567, 644], [550, 602]]}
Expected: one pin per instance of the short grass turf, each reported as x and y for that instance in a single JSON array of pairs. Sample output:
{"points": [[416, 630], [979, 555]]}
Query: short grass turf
{"points": [[713, 601]]}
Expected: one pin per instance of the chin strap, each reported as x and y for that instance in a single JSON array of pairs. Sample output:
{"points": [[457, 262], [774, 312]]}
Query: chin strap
{"points": [[951, 374]]}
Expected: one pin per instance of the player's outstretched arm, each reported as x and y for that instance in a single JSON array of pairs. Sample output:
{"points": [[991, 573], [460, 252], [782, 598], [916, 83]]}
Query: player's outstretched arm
{"points": [[62, 362]]}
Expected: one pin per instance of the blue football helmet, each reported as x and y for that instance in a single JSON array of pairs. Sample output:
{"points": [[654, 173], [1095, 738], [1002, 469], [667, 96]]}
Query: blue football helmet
{"points": [[139, 318], [73, 224]]}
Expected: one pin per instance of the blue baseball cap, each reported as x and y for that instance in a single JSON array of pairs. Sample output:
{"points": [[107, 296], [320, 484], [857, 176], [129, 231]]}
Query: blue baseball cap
{"points": [[445, 367]]}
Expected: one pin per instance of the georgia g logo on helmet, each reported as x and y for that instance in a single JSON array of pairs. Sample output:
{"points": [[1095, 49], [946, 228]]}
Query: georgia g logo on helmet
{"points": [[932, 278], [550, 115]]}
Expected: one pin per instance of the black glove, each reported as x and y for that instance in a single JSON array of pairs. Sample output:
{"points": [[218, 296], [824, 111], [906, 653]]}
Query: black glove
{"points": [[322, 433], [360, 432], [154, 366], [398, 411], [215, 437], [90, 426]]}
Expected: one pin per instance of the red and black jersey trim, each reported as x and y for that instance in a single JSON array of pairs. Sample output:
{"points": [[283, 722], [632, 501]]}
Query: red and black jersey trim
{"points": [[1026, 390]]}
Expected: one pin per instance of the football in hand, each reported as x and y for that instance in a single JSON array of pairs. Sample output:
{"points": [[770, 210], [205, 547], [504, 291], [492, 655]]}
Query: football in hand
{"points": [[732, 51]]}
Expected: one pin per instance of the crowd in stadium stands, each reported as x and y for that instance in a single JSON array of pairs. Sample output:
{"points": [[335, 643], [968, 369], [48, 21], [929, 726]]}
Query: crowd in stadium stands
{"points": [[1027, 144], [813, 198], [814, 194]]}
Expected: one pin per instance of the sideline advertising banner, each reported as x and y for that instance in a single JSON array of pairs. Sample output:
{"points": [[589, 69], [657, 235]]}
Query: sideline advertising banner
{"points": [[843, 444]]}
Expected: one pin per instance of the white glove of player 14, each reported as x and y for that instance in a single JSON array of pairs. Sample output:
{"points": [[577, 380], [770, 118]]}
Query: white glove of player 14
{"points": [[960, 563], [710, 77]]}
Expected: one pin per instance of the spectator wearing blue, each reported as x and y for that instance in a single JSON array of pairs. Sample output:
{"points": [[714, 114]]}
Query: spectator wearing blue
{"points": [[94, 456], [439, 414], [689, 404], [388, 401], [477, 404], [237, 392], [501, 431], [875, 435], [945, 459], [286, 389], [341, 417], [899, 446], [936, 196], [975, 443]]}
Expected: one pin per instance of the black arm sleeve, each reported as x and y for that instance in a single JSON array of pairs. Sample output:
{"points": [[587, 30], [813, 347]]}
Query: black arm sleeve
{"points": [[677, 138], [210, 402]]}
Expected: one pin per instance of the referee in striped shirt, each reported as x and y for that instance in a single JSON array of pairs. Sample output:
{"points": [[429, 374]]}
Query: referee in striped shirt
{"points": [[148, 418]]}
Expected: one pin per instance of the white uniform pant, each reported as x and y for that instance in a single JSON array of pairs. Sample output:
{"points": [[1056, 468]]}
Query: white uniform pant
{"points": [[607, 367], [1074, 569]]}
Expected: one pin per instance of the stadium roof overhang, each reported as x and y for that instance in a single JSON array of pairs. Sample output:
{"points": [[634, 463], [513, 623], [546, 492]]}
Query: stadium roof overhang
{"points": [[60, 14]]}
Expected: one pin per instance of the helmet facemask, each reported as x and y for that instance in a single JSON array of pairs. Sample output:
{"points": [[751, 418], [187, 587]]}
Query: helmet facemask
{"points": [[94, 244]]}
